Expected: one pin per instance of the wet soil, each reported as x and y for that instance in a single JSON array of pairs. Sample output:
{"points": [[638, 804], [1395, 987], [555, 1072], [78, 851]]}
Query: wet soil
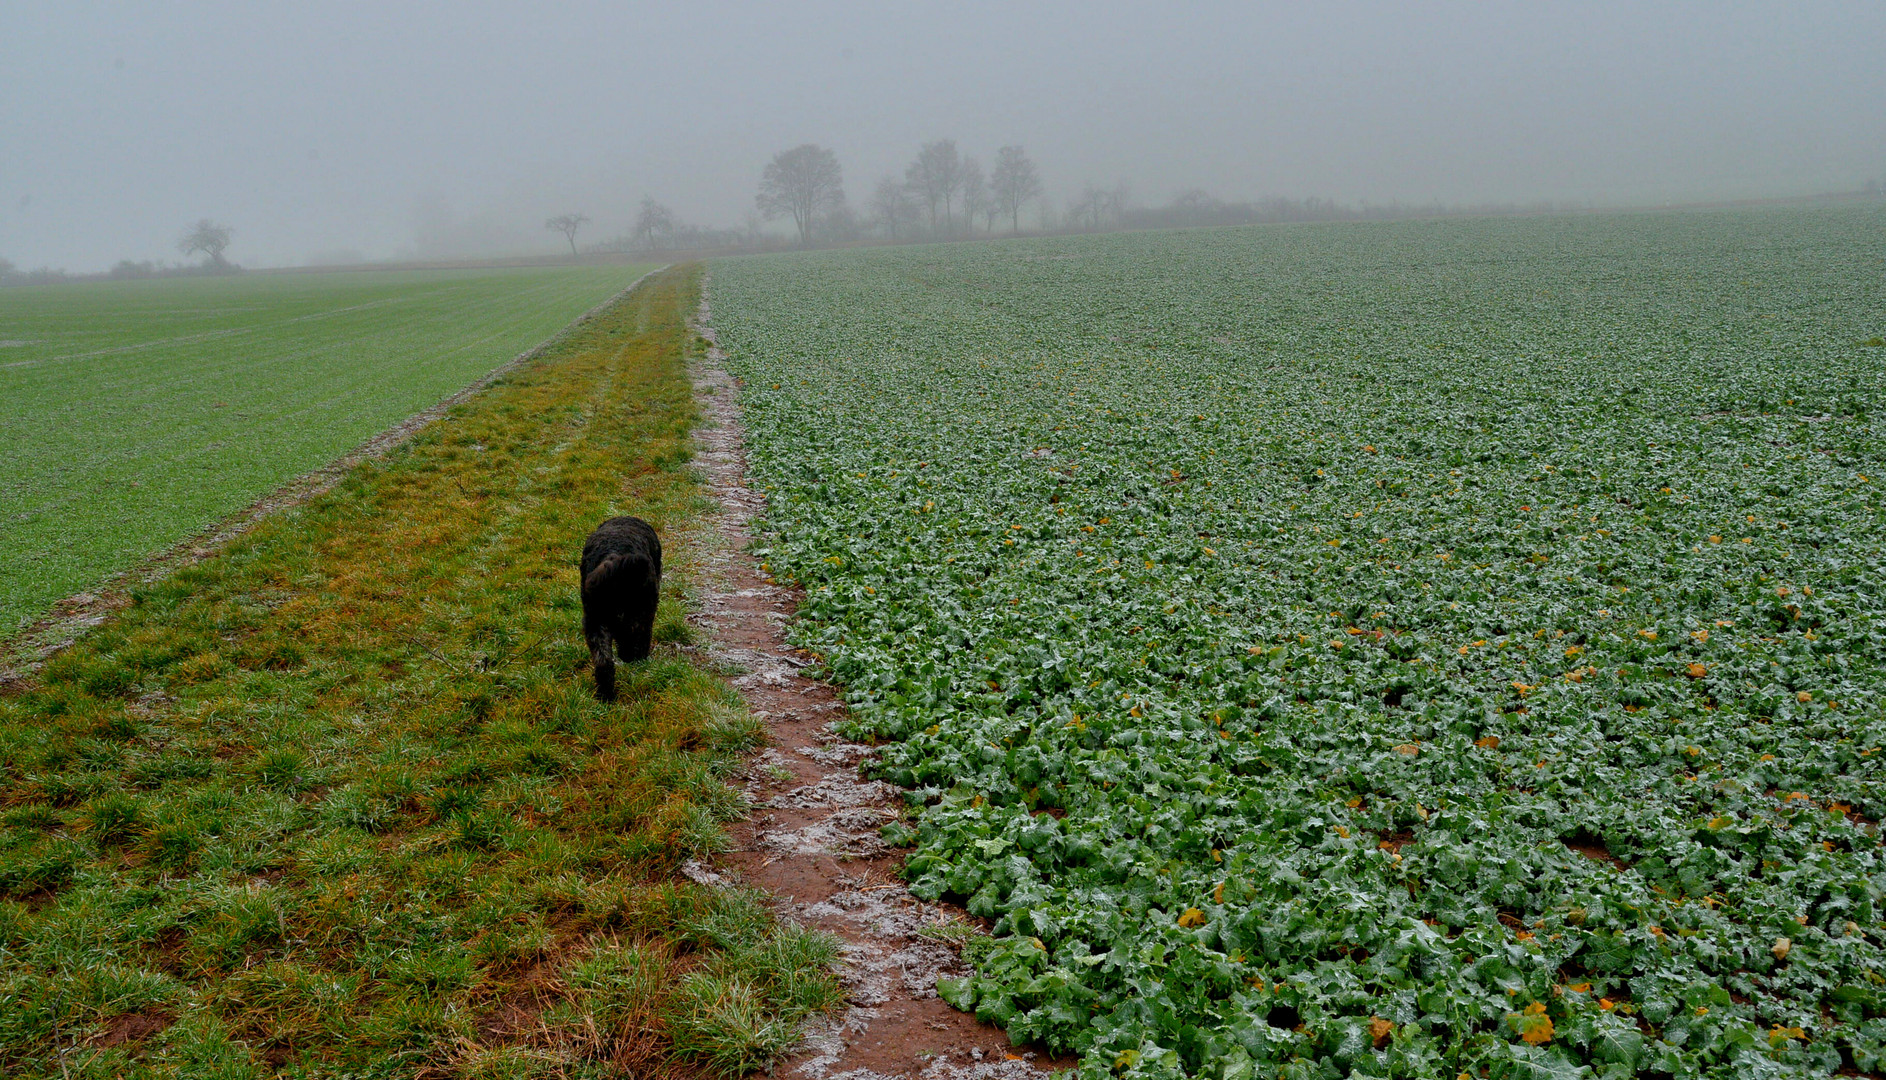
{"points": [[812, 839]]}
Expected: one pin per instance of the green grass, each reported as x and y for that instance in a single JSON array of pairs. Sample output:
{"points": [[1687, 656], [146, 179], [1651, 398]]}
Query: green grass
{"points": [[1407, 649], [133, 414], [339, 801]]}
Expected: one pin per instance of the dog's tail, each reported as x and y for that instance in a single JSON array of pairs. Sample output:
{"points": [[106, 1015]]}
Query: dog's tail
{"points": [[611, 563]]}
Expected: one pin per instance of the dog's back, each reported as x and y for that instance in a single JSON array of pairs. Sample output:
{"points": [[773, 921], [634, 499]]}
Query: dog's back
{"points": [[621, 548], [621, 575]]}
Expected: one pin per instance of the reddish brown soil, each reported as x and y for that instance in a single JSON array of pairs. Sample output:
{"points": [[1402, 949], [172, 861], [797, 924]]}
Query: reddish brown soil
{"points": [[132, 1028], [813, 837]]}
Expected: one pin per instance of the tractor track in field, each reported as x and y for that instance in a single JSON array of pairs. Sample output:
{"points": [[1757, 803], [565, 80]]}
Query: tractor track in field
{"points": [[812, 840], [23, 651]]}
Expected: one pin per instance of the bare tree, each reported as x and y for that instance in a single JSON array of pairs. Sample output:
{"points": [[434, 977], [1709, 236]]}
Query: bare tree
{"points": [[804, 182], [208, 238], [891, 208], [1195, 206], [838, 224], [1014, 181], [975, 193], [567, 224], [1095, 205], [653, 220], [935, 177]]}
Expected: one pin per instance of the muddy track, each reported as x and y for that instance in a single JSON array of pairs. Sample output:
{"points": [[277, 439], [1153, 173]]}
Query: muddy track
{"points": [[812, 840], [22, 651]]}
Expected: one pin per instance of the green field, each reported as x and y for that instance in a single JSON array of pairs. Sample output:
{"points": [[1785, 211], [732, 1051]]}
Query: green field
{"points": [[133, 414], [338, 800], [1404, 649]]}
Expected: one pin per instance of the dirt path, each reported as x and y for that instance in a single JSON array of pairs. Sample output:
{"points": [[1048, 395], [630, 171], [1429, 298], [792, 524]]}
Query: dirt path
{"points": [[813, 838]]}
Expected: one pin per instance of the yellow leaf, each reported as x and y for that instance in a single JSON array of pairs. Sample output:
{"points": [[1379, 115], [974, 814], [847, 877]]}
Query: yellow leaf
{"points": [[1535, 1027], [1192, 917], [1380, 1029]]}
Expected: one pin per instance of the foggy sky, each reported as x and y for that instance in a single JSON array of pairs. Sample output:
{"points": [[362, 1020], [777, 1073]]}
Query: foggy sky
{"points": [[321, 127]]}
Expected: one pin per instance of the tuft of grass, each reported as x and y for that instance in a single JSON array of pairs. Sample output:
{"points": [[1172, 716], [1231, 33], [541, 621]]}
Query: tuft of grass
{"points": [[743, 1006], [340, 801]]}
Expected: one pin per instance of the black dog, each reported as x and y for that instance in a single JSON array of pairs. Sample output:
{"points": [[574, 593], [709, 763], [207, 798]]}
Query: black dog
{"points": [[621, 585]]}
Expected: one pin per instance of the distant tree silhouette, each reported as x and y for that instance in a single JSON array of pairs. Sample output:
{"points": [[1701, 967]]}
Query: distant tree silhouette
{"points": [[1095, 205], [1014, 182], [891, 207], [935, 177], [976, 194], [653, 220], [803, 183], [567, 224], [207, 238]]}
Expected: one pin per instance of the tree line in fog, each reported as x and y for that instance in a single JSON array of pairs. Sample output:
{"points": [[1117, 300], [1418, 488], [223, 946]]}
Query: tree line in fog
{"points": [[947, 194]]}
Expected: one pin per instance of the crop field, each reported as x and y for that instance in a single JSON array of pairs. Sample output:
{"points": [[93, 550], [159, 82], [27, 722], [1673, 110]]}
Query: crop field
{"points": [[1421, 649], [134, 414]]}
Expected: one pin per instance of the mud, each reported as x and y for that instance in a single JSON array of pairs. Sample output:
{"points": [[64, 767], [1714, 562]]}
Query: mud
{"points": [[812, 839]]}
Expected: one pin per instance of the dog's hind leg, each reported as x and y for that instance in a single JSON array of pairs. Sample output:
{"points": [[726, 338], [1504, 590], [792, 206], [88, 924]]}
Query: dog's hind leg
{"points": [[638, 629], [602, 656]]}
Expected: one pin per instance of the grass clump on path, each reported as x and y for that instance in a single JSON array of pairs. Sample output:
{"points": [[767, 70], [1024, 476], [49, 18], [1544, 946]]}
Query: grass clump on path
{"points": [[339, 801]]}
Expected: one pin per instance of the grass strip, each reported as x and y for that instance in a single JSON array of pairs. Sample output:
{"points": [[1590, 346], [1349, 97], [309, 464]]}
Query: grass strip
{"points": [[338, 801], [134, 415]]}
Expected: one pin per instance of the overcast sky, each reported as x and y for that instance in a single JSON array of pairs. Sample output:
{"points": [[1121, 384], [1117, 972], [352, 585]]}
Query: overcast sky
{"points": [[315, 127]]}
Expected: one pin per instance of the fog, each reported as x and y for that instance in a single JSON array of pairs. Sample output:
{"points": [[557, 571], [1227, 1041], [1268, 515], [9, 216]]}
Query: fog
{"points": [[330, 130]]}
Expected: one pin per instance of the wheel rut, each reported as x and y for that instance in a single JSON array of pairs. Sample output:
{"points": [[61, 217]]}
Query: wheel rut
{"points": [[812, 839]]}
